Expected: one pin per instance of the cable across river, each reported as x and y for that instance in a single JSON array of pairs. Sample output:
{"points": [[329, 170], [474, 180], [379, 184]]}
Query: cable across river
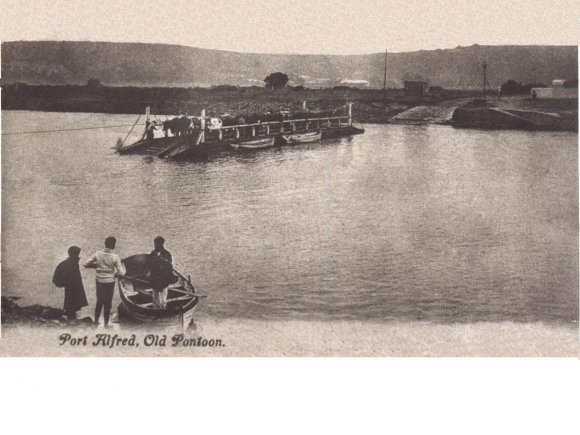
{"points": [[65, 129]]}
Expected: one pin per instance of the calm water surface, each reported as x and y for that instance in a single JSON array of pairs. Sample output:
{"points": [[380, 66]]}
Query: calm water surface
{"points": [[401, 223]]}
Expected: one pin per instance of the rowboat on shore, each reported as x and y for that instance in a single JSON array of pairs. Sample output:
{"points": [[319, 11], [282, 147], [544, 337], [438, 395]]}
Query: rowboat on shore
{"points": [[298, 138], [256, 144], [137, 296]]}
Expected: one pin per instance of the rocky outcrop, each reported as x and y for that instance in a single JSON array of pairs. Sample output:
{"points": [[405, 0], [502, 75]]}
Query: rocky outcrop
{"points": [[12, 313]]}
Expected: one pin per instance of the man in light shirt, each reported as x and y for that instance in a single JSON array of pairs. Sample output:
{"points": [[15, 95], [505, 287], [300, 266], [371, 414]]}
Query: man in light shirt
{"points": [[108, 265]]}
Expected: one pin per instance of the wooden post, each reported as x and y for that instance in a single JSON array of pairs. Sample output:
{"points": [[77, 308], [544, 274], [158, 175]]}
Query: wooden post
{"points": [[304, 106], [484, 64], [350, 114], [221, 134], [237, 133], [385, 79], [253, 130], [147, 113], [267, 129], [202, 123], [293, 126], [282, 127]]}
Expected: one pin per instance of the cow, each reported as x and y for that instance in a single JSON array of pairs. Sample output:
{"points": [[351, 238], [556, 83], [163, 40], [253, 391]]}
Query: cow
{"points": [[179, 126]]}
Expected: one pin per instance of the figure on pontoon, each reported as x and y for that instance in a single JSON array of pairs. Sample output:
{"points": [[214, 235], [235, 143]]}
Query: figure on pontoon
{"points": [[150, 128]]}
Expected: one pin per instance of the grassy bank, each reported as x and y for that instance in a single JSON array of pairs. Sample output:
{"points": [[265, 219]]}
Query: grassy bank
{"points": [[370, 105]]}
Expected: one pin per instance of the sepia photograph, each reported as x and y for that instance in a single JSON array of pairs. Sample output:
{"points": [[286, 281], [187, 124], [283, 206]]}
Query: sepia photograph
{"points": [[289, 179]]}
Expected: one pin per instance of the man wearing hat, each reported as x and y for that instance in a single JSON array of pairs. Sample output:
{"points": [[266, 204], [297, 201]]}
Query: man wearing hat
{"points": [[68, 275], [160, 250], [160, 272]]}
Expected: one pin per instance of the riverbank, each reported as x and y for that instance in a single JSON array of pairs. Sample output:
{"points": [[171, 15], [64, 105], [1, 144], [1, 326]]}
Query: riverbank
{"points": [[37, 315], [38, 331], [370, 105], [519, 113], [515, 113]]}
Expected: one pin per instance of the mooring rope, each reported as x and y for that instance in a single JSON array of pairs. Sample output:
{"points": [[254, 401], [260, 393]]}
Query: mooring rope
{"points": [[67, 129], [123, 143], [14, 133]]}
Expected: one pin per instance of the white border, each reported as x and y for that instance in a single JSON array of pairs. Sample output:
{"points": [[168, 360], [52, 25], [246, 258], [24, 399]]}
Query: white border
{"points": [[289, 396]]}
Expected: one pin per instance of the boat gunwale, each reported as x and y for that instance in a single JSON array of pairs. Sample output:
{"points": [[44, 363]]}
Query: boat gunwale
{"points": [[306, 137], [256, 144], [152, 311]]}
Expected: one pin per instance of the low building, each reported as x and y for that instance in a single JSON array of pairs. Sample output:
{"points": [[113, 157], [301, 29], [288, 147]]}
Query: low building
{"points": [[414, 88], [557, 90], [317, 83], [355, 83]]}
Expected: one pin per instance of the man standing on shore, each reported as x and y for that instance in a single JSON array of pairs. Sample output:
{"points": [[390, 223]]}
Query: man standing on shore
{"points": [[108, 265], [68, 275]]}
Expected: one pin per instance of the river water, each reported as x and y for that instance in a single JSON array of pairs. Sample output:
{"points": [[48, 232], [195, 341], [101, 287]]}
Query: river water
{"points": [[401, 223]]}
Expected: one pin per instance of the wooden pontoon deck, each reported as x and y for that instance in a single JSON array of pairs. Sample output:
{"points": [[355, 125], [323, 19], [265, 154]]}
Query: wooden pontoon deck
{"points": [[200, 140]]}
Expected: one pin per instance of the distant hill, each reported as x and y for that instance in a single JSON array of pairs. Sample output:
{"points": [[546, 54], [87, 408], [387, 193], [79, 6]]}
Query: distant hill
{"points": [[132, 64]]}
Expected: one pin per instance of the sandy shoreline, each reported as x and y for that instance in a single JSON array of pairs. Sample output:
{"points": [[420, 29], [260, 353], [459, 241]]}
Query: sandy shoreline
{"points": [[242, 337]]}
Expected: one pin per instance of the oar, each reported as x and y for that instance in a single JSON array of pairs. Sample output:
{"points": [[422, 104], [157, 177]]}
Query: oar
{"points": [[197, 294], [200, 295], [131, 278]]}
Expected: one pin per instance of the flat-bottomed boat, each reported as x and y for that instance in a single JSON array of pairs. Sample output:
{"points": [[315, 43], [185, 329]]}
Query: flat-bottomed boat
{"points": [[137, 296]]}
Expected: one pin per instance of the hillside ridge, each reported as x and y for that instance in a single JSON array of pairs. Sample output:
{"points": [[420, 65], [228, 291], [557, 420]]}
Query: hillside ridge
{"points": [[147, 64]]}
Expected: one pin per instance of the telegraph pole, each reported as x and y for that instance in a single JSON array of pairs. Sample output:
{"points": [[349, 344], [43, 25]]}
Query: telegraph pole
{"points": [[484, 64], [385, 78]]}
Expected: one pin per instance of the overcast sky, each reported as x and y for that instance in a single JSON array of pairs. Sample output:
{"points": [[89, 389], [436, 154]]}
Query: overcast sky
{"points": [[302, 26]]}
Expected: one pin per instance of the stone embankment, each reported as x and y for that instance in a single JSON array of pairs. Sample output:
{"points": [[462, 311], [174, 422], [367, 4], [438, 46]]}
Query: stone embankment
{"points": [[509, 113], [438, 113], [14, 314], [424, 115]]}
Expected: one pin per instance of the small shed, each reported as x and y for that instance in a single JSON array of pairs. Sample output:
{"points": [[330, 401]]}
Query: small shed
{"points": [[414, 88]]}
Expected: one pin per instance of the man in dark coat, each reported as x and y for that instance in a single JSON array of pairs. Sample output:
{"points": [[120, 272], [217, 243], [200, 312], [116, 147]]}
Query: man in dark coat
{"points": [[160, 272], [68, 275], [160, 250]]}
